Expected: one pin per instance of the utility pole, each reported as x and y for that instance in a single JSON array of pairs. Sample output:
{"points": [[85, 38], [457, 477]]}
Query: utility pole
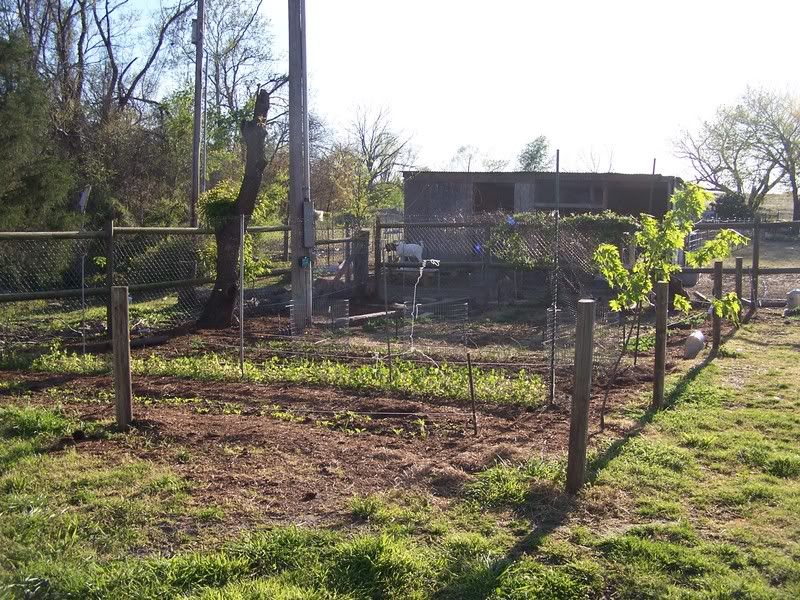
{"points": [[652, 184], [197, 39], [204, 167], [301, 210]]}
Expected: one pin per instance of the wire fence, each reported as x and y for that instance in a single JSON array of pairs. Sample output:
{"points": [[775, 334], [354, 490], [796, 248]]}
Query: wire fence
{"points": [[520, 283], [423, 293]]}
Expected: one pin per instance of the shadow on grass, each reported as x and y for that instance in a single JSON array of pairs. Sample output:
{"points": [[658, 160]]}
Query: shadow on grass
{"points": [[599, 462], [548, 508]]}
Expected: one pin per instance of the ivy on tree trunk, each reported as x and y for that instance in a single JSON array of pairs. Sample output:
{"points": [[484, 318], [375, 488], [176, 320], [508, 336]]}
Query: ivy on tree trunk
{"points": [[218, 311]]}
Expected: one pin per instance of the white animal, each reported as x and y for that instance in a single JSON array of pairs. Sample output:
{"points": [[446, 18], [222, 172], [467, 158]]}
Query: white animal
{"points": [[407, 252]]}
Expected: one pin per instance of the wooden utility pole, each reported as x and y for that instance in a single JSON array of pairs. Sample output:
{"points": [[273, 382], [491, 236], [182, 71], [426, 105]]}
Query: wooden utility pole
{"points": [[301, 210], [582, 390], [197, 38]]}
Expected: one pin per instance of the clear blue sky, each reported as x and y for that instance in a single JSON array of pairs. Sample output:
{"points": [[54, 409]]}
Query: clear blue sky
{"points": [[596, 77]]}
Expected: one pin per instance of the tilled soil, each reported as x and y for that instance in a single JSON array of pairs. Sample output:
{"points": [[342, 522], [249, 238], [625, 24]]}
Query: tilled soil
{"points": [[300, 453], [289, 453]]}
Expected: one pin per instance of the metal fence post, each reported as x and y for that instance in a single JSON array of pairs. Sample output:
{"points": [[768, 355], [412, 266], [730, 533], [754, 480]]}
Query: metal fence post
{"points": [[242, 231], [738, 284], [348, 251], [377, 254], [360, 255], [579, 415], [123, 392], [659, 365], [754, 268]]}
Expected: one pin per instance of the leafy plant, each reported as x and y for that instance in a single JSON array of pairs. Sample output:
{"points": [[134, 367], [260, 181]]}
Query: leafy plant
{"points": [[733, 207], [524, 240], [657, 243], [216, 207]]}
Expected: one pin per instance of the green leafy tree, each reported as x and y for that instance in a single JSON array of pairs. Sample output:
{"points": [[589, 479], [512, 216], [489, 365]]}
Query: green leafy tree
{"points": [[36, 180], [535, 156], [657, 243], [216, 207], [733, 207]]}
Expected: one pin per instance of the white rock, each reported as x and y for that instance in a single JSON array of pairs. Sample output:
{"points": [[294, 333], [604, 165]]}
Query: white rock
{"points": [[694, 344], [793, 300]]}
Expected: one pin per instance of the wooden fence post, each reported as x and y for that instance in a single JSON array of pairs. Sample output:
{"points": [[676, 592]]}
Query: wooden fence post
{"points": [[659, 365], [377, 253], [716, 320], [738, 283], [754, 268], [121, 343], [348, 250], [579, 415], [109, 231], [360, 253]]}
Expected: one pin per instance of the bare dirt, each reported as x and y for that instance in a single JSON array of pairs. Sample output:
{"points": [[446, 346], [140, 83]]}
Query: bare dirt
{"points": [[273, 453]]}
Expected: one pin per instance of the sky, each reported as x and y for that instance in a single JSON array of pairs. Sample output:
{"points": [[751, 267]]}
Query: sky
{"points": [[608, 82]]}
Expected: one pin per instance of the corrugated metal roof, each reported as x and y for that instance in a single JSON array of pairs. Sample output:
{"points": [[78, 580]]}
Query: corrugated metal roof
{"points": [[571, 174]]}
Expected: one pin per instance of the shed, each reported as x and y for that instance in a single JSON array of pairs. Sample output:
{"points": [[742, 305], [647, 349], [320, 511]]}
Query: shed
{"points": [[455, 195]]}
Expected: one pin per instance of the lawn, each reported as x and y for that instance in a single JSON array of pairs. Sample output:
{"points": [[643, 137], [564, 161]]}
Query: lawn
{"points": [[701, 500], [780, 205], [772, 253]]}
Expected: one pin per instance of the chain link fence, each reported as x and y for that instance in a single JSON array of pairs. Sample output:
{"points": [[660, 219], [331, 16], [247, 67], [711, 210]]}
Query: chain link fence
{"points": [[516, 284], [503, 290]]}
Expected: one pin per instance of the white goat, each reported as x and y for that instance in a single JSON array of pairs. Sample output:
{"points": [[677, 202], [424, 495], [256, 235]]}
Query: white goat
{"points": [[405, 251]]}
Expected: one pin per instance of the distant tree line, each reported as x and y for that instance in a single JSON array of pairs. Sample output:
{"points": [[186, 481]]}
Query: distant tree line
{"points": [[91, 104], [747, 150]]}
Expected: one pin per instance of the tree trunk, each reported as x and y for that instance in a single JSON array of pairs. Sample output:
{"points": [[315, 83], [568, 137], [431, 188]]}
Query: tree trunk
{"points": [[795, 196], [218, 311]]}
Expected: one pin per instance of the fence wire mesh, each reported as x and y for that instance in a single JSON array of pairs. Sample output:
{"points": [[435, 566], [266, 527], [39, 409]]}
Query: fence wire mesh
{"points": [[506, 291], [65, 273], [148, 262]]}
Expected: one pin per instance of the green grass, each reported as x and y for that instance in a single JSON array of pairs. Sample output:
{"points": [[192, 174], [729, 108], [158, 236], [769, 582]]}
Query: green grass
{"points": [[647, 341], [772, 253], [41, 317], [62, 509], [701, 501], [506, 484]]}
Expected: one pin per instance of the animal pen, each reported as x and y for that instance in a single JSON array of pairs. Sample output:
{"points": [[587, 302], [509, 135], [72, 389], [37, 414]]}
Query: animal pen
{"points": [[492, 303]]}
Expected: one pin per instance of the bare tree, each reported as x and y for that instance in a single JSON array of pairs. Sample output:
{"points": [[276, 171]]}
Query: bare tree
{"points": [[470, 158], [122, 77], [79, 42], [381, 149], [218, 311], [728, 156], [775, 120], [240, 57], [597, 161]]}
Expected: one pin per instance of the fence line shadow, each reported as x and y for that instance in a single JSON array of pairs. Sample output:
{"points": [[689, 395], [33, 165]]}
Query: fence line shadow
{"points": [[555, 506]]}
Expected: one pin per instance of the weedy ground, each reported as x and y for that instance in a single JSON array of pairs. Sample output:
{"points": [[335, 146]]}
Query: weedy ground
{"points": [[699, 500], [406, 377]]}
